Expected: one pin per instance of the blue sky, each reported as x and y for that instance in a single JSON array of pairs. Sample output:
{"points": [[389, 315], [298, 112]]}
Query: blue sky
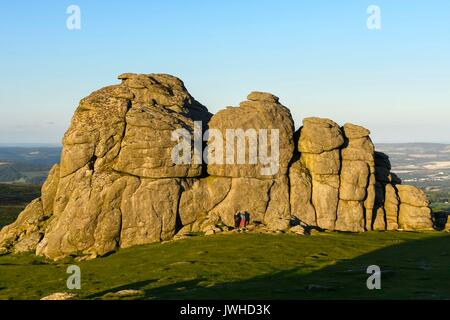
{"points": [[317, 56]]}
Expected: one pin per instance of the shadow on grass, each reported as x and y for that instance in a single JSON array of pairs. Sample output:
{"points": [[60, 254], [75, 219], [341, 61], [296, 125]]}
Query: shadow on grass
{"points": [[414, 270]]}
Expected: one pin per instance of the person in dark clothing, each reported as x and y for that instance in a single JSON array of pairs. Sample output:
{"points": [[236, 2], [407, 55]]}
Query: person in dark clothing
{"points": [[247, 218], [237, 219]]}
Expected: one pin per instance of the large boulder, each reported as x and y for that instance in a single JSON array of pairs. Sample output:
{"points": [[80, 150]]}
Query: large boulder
{"points": [[359, 146], [266, 200], [357, 181], [301, 194], [350, 216], [414, 212], [319, 135], [249, 149], [413, 196], [117, 184], [131, 173], [213, 201], [254, 140], [325, 199], [319, 143], [128, 128], [414, 218], [201, 196], [354, 180]]}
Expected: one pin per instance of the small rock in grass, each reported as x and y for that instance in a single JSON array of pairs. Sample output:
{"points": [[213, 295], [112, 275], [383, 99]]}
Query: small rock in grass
{"points": [[124, 294], [128, 293], [298, 229], [59, 296]]}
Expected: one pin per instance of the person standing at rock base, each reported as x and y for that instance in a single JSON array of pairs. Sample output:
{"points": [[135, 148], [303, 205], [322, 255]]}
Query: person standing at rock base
{"points": [[242, 223], [237, 219]]}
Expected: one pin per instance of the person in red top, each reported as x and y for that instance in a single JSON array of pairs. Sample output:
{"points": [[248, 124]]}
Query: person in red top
{"points": [[242, 222], [241, 219]]}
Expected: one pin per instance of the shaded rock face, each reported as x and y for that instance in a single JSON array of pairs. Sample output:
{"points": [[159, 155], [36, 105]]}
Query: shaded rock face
{"points": [[301, 194], [117, 185]]}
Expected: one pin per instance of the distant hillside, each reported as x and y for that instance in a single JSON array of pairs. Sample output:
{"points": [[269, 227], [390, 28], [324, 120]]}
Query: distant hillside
{"points": [[26, 164], [423, 164]]}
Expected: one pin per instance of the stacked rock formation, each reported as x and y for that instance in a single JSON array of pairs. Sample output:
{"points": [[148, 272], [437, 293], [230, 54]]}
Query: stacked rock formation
{"points": [[117, 184], [238, 179], [357, 181], [319, 145]]}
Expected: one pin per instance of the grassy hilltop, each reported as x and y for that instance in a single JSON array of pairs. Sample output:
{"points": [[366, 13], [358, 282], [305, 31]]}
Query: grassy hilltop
{"points": [[244, 266], [239, 266]]}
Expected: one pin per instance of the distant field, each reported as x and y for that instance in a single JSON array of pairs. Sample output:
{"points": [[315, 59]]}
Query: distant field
{"points": [[27, 164], [426, 165], [13, 198], [8, 214], [18, 194], [249, 266]]}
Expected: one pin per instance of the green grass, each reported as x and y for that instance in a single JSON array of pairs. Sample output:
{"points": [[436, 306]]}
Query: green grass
{"points": [[18, 194], [250, 266], [440, 207], [8, 214], [13, 199]]}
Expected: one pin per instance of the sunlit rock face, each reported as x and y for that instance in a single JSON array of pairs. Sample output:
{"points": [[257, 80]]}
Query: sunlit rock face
{"points": [[117, 184]]}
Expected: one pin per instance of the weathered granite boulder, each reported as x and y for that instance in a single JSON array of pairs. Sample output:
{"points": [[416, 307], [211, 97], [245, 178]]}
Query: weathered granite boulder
{"points": [[215, 200], [267, 200], [301, 194], [357, 181], [319, 135], [391, 206], [319, 143], [127, 178], [116, 184], [414, 213], [200, 197], [26, 232], [352, 193], [248, 132], [256, 167], [356, 192], [414, 218]]}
